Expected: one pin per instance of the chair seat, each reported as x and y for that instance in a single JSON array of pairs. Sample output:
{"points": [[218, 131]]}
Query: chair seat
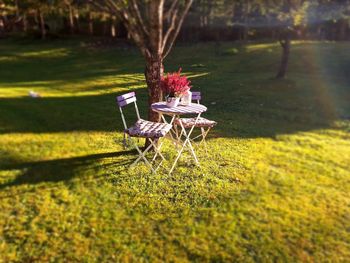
{"points": [[148, 129], [201, 122]]}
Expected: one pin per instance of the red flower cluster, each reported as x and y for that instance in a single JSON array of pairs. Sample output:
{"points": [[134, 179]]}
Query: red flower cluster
{"points": [[174, 85]]}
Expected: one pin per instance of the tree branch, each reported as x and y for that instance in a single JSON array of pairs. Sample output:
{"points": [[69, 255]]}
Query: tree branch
{"points": [[172, 37], [106, 6], [156, 26], [121, 10], [136, 34], [169, 13], [170, 29], [136, 11]]}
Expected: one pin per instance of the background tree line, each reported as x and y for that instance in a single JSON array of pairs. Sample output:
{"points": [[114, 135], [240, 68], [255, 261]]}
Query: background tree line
{"points": [[53, 18], [207, 20], [154, 25]]}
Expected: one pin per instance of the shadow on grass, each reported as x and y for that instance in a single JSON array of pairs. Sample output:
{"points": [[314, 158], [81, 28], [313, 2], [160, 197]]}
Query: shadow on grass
{"points": [[64, 114], [57, 62], [66, 169], [256, 112], [247, 104], [270, 108]]}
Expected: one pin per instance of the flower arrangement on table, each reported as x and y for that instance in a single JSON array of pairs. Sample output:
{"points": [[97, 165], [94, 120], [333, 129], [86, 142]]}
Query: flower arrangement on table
{"points": [[175, 86]]}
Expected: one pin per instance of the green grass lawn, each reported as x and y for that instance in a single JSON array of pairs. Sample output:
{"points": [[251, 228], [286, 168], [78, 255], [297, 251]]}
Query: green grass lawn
{"points": [[274, 188]]}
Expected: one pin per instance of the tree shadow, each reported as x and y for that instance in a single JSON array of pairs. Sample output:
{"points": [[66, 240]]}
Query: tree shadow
{"points": [[65, 114], [273, 108], [66, 169], [276, 107], [66, 62], [243, 101]]}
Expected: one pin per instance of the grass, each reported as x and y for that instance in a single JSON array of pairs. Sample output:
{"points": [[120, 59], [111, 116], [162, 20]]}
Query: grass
{"points": [[274, 188]]}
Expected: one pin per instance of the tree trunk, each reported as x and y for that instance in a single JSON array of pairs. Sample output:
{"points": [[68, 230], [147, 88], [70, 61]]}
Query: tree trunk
{"points": [[25, 23], [105, 27], [245, 33], [71, 19], [17, 9], [153, 73], [319, 32], [2, 27], [342, 29], [246, 20], [113, 27], [91, 24], [42, 25], [285, 44], [77, 24]]}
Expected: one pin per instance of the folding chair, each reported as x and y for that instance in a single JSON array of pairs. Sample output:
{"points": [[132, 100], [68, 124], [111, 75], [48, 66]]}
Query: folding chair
{"points": [[151, 131], [204, 124]]}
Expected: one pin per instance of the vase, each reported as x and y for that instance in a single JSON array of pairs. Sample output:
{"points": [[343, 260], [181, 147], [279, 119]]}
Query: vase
{"points": [[186, 99], [172, 102]]}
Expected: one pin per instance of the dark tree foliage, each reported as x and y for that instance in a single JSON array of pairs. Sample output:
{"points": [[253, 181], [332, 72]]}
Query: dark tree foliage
{"points": [[154, 25]]}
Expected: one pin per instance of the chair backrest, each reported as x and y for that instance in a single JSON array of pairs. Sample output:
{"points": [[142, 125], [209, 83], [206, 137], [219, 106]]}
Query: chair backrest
{"points": [[124, 100], [196, 95]]}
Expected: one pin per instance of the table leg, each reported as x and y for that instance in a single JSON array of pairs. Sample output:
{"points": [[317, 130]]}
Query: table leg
{"points": [[187, 141], [173, 132]]}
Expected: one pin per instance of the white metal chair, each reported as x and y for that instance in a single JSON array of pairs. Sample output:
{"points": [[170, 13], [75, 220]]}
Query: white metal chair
{"points": [[151, 131], [204, 124]]}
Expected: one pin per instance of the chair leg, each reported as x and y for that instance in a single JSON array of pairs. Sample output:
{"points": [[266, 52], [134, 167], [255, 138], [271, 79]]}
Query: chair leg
{"points": [[178, 136], [187, 143], [158, 152], [157, 148], [204, 135], [142, 156]]}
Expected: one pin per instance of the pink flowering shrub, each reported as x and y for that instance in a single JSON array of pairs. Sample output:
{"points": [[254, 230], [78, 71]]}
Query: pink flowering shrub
{"points": [[174, 85]]}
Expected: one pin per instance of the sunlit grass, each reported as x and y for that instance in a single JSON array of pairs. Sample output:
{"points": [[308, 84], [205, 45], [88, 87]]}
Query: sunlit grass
{"points": [[263, 46], [273, 187]]}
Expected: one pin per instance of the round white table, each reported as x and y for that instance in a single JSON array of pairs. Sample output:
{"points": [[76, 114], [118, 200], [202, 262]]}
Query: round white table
{"points": [[193, 108], [176, 112]]}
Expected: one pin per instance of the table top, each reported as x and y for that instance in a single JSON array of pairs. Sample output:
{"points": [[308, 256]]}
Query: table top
{"points": [[194, 108]]}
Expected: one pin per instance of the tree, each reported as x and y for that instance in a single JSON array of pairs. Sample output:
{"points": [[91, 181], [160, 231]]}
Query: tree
{"points": [[291, 14], [90, 20], [337, 11], [41, 9], [3, 10], [8, 9], [71, 16], [154, 26], [245, 8]]}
